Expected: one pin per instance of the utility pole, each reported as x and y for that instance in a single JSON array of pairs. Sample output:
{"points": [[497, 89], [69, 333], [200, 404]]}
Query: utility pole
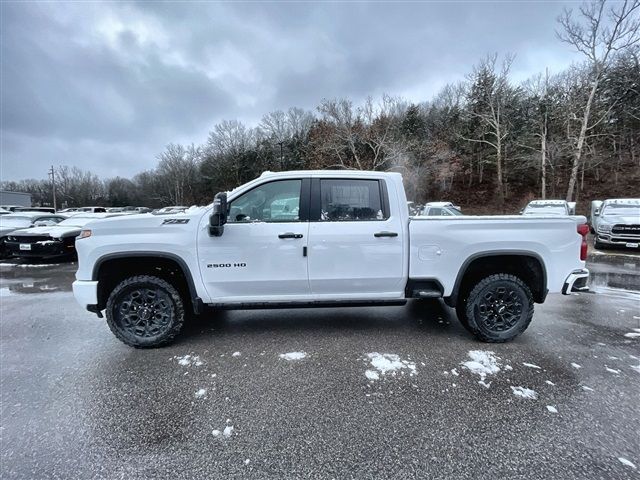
{"points": [[52, 172], [281, 155]]}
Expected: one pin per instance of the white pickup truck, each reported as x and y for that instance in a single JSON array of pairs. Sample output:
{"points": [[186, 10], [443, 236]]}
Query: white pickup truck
{"points": [[323, 238]]}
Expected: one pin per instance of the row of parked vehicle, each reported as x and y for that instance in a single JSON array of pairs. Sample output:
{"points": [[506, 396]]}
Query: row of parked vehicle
{"points": [[41, 232]]}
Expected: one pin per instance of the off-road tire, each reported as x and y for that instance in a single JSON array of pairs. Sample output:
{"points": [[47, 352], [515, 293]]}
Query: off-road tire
{"points": [[518, 304], [167, 304]]}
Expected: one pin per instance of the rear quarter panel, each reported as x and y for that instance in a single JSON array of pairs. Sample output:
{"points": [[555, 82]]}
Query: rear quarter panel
{"points": [[441, 246]]}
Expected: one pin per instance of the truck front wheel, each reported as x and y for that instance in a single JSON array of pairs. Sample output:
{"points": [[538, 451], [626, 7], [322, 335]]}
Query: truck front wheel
{"points": [[497, 309], [145, 311]]}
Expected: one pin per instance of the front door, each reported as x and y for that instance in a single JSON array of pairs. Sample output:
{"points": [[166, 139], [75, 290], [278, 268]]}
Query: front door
{"points": [[260, 255]]}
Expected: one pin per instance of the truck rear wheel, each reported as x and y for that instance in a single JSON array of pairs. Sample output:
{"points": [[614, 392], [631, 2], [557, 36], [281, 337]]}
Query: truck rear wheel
{"points": [[145, 311], [497, 309]]}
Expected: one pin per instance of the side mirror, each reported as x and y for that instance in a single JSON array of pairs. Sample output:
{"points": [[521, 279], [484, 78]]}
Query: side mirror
{"points": [[219, 215]]}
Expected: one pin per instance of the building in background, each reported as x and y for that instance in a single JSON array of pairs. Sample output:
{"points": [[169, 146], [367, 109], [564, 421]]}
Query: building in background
{"points": [[18, 199]]}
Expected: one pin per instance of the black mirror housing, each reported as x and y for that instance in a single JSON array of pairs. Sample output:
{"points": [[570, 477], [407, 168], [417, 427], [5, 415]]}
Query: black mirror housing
{"points": [[218, 215]]}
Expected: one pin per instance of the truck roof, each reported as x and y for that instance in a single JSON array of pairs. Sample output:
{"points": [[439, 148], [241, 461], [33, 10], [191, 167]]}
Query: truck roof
{"points": [[622, 201], [548, 202], [329, 173]]}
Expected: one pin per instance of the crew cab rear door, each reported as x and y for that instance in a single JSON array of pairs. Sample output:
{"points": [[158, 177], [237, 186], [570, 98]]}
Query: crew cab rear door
{"points": [[260, 256], [355, 240]]}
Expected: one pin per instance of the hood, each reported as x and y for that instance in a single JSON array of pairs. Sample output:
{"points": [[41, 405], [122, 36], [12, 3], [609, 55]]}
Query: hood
{"points": [[621, 219], [55, 231], [147, 222]]}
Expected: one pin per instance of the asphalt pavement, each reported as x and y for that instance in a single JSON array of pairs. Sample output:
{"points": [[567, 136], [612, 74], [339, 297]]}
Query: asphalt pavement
{"points": [[387, 392]]}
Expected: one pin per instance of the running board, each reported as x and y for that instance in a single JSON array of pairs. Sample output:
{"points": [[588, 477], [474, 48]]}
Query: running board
{"points": [[307, 304]]}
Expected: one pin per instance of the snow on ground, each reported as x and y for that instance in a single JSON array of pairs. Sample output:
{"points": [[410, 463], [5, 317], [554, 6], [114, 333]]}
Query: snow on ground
{"points": [[634, 334], [636, 367], [201, 393], [524, 392], [531, 365], [235, 354], [454, 372], [228, 431], [384, 363], [293, 356], [215, 433], [587, 389], [612, 370], [482, 363], [549, 382], [5, 292], [39, 265], [626, 462], [189, 360], [552, 409], [575, 365]]}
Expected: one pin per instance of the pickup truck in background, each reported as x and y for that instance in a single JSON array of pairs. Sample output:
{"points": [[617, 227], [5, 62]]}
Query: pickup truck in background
{"points": [[549, 207], [323, 238], [616, 222]]}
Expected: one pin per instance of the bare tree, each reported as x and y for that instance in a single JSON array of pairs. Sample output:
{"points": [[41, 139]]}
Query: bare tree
{"points": [[599, 35], [494, 98]]}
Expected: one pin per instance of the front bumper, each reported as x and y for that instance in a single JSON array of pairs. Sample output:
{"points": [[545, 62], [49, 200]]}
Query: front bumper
{"points": [[86, 293], [50, 248], [576, 282], [632, 241]]}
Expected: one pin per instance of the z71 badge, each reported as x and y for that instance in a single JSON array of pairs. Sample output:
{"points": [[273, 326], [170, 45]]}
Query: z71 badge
{"points": [[175, 221]]}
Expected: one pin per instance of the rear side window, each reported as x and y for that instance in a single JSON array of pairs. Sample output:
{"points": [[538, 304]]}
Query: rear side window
{"points": [[350, 200]]}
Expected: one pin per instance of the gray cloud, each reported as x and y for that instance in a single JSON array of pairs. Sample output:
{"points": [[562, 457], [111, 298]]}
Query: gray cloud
{"points": [[106, 85]]}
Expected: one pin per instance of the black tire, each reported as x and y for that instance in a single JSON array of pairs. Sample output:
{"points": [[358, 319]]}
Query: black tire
{"points": [[145, 312], [497, 309]]}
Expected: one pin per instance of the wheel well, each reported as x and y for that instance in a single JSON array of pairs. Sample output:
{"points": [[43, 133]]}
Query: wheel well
{"points": [[112, 271], [528, 268]]}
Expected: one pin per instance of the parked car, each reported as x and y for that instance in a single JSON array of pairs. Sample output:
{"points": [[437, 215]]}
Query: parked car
{"points": [[549, 207], [168, 210], [617, 222], [51, 240], [438, 209], [351, 242], [34, 209], [21, 220]]}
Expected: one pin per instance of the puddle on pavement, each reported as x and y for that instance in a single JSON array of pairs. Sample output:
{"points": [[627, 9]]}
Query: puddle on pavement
{"points": [[18, 278]]}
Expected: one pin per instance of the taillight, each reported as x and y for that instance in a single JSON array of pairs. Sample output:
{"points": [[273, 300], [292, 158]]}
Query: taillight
{"points": [[583, 230]]}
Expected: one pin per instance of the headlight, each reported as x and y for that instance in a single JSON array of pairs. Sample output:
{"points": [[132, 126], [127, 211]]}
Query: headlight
{"points": [[84, 234], [604, 228]]}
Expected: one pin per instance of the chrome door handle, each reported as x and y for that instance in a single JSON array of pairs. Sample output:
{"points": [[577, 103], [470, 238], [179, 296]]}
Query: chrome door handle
{"points": [[290, 235]]}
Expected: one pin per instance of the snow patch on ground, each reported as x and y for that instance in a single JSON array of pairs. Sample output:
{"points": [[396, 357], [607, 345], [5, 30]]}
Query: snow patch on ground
{"points": [[531, 365], [40, 265], [235, 354], [612, 370], [372, 375], [587, 389], [626, 462], [634, 334], [552, 409], [524, 392], [575, 365], [293, 356], [201, 393], [189, 360], [384, 363], [228, 431], [636, 367], [483, 363], [454, 372], [549, 382], [215, 433]]}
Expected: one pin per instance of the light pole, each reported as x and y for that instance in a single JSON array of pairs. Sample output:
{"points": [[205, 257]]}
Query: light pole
{"points": [[52, 172]]}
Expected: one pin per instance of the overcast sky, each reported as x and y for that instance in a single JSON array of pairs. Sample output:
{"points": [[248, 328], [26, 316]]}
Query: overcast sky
{"points": [[105, 86]]}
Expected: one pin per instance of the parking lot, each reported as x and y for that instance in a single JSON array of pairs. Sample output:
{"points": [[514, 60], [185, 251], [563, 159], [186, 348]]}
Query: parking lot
{"points": [[400, 392]]}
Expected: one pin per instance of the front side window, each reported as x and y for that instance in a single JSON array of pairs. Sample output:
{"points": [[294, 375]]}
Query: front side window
{"points": [[271, 202], [350, 200]]}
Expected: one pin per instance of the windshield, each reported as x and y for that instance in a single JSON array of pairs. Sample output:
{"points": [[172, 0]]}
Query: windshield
{"points": [[77, 221], [626, 210], [545, 210], [17, 222]]}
